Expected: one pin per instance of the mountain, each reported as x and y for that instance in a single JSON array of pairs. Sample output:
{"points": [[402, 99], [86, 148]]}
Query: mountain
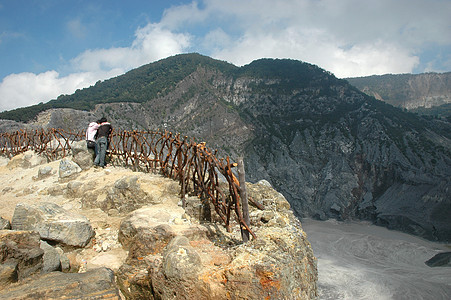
{"points": [[330, 149], [408, 91]]}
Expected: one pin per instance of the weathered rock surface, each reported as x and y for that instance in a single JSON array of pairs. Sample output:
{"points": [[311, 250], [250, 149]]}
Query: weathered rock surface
{"points": [[81, 155], [126, 195], [407, 90], [53, 223], [20, 255], [44, 172], [440, 260], [26, 160], [3, 160], [64, 260], [4, 224], [93, 284], [164, 251], [183, 262], [68, 170], [150, 229], [51, 258], [8, 272]]}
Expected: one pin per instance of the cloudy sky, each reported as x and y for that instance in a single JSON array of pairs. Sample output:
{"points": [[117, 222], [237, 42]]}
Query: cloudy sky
{"points": [[53, 47]]}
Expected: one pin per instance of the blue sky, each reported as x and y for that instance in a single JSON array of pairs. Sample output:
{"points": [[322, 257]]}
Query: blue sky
{"points": [[53, 47]]}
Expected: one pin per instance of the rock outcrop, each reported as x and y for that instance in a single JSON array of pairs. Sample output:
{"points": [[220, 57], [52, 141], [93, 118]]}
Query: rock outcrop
{"points": [[440, 260], [126, 196], [81, 155], [68, 170], [93, 284], [204, 261], [407, 90], [4, 224], [53, 223], [153, 221], [53, 259], [20, 255], [157, 251], [43, 173]]}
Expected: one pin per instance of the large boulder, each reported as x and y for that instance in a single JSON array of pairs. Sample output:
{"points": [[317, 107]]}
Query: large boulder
{"points": [[78, 147], [126, 196], [81, 155], [20, 255], [93, 284], [178, 272], [150, 229], [53, 223], [68, 170], [180, 260], [440, 260]]}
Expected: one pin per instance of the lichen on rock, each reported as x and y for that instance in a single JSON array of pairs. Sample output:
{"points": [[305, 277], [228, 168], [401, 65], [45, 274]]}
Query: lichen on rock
{"points": [[174, 262]]}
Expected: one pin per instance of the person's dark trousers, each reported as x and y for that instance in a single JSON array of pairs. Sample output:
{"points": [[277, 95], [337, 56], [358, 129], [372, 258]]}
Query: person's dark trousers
{"points": [[92, 145], [101, 147]]}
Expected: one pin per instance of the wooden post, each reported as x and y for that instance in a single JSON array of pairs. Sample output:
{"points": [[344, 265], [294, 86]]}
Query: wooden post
{"points": [[181, 177], [244, 201]]}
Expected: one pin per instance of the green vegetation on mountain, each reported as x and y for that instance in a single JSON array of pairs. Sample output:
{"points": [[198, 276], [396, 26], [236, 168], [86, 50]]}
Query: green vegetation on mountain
{"points": [[435, 112], [158, 79], [138, 85]]}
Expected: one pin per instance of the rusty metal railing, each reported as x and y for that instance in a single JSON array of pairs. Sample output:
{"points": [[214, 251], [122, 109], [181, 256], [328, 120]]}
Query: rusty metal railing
{"points": [[196, 167]]}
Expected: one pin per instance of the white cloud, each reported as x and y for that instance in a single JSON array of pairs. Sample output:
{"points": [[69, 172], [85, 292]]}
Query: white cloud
{"points": [[177, 17], [152, 43], [346, 37], [368, 59], [318, 47], [216, 39], [24, 89]]}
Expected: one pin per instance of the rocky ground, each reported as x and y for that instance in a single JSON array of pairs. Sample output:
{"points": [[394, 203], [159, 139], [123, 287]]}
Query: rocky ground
{"points": [[118, 234]]}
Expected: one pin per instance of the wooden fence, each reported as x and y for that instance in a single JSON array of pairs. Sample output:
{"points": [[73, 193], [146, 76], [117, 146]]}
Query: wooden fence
{"points": [[196, 167]]}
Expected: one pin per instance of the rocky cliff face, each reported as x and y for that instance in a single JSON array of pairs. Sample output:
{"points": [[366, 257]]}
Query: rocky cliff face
{"points": [[407, 90], [343, 155], [332, 151]]}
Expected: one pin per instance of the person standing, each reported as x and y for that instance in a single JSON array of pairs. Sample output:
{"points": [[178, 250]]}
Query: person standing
{"points": [[90, 136], [103, 133]]}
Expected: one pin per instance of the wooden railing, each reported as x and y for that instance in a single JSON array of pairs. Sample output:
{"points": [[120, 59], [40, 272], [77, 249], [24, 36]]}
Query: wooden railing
{"points": [[196, 167]]}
